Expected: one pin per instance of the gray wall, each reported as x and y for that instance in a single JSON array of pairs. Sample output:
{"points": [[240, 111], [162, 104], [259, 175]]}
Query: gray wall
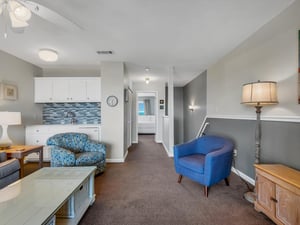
{"points": [[194, 93], [280, 141], [20, 73], [178, 115]]}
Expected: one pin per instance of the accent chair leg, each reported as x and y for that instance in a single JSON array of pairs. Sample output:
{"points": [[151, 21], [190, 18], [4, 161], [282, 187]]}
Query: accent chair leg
{"points": [[206, 191], [227, 181], [179, 178]]}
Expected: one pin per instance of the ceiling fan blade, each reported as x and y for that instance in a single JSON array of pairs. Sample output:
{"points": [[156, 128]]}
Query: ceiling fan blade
{"points": [[49, 15]]}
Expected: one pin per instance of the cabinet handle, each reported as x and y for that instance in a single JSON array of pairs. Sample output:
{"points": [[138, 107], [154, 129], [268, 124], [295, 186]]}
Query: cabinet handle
{"points": [[273, 199]]}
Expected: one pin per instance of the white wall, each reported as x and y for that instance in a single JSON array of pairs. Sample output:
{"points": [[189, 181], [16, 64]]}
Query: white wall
{"points": [[158, 87], [20, 73], [270, 54], [112, 118]]}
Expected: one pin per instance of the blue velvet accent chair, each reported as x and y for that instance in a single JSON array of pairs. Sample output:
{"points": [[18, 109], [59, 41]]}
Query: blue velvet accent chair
{"points": [[9, 170], [206, 160], [76, 149]]}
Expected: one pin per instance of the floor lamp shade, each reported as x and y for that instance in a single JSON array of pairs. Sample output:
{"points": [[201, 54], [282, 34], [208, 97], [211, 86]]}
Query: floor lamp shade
{"points": [[6, 119], [260, 93]]}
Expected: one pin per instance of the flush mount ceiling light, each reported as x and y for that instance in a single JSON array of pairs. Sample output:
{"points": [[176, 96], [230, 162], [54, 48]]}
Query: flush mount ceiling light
{"points": [[48, 55], [147, 80]]}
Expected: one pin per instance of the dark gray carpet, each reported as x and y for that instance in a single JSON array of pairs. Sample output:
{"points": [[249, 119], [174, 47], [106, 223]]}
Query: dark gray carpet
{"points": [[144, 191]]}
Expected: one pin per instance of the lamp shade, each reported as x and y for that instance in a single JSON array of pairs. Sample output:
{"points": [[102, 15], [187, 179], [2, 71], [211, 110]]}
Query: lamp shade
{"points": [[10, 118], [260, 93]]}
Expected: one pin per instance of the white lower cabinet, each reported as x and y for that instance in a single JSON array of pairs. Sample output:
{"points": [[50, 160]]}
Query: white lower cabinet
{"points": [[38, 135]]}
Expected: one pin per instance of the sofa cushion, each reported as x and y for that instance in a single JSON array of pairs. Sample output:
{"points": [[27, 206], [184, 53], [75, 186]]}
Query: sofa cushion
{"points": [[194, 162], [88, 158]]}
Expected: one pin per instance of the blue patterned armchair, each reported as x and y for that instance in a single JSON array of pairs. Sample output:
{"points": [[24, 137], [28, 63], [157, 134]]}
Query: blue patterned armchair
{"points": [[206, 160], [75, 149]]}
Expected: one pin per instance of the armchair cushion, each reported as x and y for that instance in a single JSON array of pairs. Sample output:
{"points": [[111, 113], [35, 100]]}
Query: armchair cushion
{"points": [[194, 162], [75, 149], [88, 158]]}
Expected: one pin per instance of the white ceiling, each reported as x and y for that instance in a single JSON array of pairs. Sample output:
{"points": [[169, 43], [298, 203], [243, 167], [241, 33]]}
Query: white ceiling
{"points": [[188, 35]]}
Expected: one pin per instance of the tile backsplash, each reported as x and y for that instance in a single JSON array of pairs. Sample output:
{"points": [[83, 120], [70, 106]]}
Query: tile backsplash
{"points": [[68, 113]]}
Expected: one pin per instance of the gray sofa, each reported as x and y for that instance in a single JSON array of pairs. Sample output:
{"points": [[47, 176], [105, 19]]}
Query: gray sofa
{"points": [[9, 170]]}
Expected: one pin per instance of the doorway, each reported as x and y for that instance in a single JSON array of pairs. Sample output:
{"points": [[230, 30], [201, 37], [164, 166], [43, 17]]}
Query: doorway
{"points": [[146, 113]]}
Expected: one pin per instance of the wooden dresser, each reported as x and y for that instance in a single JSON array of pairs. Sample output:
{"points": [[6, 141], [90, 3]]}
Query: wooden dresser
{"points": [[278, 193]]}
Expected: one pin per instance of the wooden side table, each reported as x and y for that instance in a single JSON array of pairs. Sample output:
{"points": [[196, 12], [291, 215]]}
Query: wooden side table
{"points": [[278, 193], [20, 151]]}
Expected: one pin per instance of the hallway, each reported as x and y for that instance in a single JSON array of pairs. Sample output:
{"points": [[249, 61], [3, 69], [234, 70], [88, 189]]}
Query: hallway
{"points": [[144, 191]]}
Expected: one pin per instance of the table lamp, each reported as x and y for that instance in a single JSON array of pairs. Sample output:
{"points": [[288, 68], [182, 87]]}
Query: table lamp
{"points": [[258, 94], [8, 118]]}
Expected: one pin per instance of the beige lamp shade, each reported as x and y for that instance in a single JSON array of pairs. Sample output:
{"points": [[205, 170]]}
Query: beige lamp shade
{"points": [[6, 119], [10, 118], [260, 93]]}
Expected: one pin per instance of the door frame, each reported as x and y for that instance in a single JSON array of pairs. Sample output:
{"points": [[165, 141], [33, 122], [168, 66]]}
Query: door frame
{"points": [[155, 111]]}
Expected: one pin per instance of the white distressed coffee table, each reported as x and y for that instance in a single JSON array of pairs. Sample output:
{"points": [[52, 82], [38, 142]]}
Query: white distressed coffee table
{"points": [[50, 195]]}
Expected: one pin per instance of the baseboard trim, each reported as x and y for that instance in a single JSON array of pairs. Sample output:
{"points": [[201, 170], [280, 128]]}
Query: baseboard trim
{"points": [[117, 160], [166, 149], [243, 176]]}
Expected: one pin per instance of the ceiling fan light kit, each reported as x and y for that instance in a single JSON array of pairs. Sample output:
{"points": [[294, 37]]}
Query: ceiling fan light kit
{"points": [[48, 55], [17, 13], [21, 12]]}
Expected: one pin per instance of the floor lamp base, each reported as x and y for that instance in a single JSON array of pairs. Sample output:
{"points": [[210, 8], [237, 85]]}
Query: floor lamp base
{"points": [[250, 196]]}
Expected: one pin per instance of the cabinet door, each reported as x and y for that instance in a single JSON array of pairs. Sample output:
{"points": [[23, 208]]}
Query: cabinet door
{"points": [[93, 89], [61, 90], [77, 90], [92, 132], [288, 207], [43, 90], [265, 190]]}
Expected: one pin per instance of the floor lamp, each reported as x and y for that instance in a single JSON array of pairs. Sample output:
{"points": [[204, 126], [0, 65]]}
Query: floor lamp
{"points": [[258, 94]]}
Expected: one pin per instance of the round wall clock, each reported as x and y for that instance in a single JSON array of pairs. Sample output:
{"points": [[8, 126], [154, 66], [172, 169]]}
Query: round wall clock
{"points": [[112, 101]]}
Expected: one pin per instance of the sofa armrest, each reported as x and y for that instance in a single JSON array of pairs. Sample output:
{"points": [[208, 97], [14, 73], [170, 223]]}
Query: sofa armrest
{"points": [[61, 156], [217, 165], [94, 146], [9, 167], [3, 156]]}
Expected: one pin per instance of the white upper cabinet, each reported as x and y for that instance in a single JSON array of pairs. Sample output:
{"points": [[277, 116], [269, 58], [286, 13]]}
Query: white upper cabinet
{"points": [[43, 90], [67, 89], [93, 90]]}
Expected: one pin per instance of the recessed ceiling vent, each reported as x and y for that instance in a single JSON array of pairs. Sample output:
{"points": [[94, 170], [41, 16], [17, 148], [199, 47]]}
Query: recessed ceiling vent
{"points": [[104, 52]]}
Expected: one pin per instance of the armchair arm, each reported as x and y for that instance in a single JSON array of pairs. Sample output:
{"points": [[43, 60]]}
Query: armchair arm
{"points": [[93, 146], [61, 156], [185, 149], [217, 165]]}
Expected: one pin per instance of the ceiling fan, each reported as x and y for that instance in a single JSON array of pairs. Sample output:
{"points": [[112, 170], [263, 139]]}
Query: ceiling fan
{"points": [[19, 13]]}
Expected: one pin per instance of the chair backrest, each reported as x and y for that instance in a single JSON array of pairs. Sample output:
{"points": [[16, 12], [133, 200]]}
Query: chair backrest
{"points": [[71, 141], [209, 143]]}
